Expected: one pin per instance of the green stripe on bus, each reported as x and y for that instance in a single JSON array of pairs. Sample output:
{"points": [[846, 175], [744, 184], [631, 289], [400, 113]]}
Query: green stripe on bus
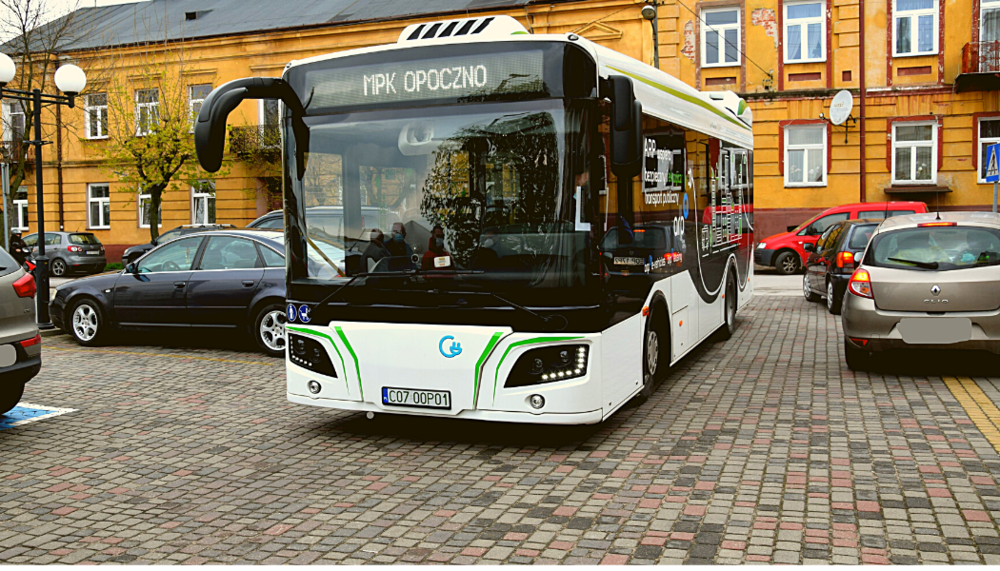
{"points": [[343, 368], [479, 364], [350, 350], [496, 378], [689, 98]]}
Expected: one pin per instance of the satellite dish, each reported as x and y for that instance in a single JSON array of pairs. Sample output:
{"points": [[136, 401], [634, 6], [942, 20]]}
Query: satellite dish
{"points": [[840, 109]]}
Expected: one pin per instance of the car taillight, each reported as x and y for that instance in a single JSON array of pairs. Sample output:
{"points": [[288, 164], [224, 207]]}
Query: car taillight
{"points": [[74, 248], [932, 224], [861, 284], [845, 259], [37, 339], [25, 286]]}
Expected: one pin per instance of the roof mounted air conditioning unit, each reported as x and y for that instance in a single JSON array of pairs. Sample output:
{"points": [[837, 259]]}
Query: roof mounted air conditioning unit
{"points": [[486, 27]]}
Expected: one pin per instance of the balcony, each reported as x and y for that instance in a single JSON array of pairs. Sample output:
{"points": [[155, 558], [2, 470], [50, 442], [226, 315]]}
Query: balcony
{"points": [[258, 145], [980, 67]]}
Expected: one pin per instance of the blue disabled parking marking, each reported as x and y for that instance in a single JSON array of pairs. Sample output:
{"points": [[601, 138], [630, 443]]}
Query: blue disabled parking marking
{"points": [[25, 413]]}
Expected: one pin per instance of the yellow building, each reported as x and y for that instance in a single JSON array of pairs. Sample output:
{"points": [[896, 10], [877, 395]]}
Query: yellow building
{"points": [[926, 117]]}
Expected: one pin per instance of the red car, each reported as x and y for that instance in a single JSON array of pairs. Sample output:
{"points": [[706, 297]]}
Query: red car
{"points": [[784, 251]]}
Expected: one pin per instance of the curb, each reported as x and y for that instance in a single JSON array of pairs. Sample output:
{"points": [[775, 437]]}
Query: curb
{"points": [[54, 332]]}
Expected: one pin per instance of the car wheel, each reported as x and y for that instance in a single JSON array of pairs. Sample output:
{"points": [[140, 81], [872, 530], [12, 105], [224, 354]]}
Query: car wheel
{"points": [[787, 263], [655, 353], [857, 359], [86, 323], [58, 268], [10, 395], [729, 324], [807, 291], [269, 330], [833, 303]]}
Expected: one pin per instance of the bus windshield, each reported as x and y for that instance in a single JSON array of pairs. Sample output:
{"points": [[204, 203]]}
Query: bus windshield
{"points": [[478, 193]]}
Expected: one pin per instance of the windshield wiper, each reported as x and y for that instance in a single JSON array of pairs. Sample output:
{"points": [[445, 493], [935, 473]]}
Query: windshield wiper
{"points": [[555, 322], [924, 265]]}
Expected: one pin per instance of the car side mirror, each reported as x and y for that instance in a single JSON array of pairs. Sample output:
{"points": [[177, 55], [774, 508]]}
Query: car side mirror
{"points": [[809, 247], [131, 268], [858, 256]]}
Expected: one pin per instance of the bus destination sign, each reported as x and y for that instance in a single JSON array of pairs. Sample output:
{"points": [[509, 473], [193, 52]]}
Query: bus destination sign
{"points": [[454, 77]]}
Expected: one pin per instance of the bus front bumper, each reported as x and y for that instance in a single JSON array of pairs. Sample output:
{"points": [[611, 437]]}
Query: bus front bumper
{"points": [[590, 417]]}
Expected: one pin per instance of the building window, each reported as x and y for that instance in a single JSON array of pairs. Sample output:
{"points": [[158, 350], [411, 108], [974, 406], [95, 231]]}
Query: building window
{"points": [[805, 155], [95, 109], [203, 203], [13, 121], [914, 156], [196, 96], [720, 37], [269, 112], [915, 27], [805, 32], [144, 202], [989, 134], [98, 207], [21, 210], [147, 111]]}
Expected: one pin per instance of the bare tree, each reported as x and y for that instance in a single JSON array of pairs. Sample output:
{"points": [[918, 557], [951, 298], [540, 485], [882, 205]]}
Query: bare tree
{"points": [[38, 35]]}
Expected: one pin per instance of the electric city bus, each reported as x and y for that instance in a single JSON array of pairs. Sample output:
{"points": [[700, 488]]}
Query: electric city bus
{"points": [[530, 228]]}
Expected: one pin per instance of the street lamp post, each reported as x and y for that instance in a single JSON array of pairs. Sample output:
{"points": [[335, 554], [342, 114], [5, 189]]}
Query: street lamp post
{"points": [[71, 80]]}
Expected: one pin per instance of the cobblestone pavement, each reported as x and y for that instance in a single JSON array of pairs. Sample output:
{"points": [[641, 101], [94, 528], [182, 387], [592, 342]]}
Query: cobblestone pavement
{"points": [[761, 449]]}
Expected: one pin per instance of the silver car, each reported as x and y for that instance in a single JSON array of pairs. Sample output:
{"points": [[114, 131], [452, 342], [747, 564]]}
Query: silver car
{"points": [[20, 344], [926, 281], [70, 252]]}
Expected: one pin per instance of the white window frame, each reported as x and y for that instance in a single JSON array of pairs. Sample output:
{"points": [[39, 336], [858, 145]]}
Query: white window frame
{"points": [[91, 223], [196, 195], [983, 142], [705, 28], [154, 107], [102, 120], [262, 116], [21, 211], [806, 148], [913, 145], [915, 17], [144, 198], [803, 23], [199, 101], [8, 118]]}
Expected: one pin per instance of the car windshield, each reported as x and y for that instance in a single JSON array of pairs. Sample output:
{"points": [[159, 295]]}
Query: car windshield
{"points": [[471, 190], [936, 248], [861, 235], [84, 239]]}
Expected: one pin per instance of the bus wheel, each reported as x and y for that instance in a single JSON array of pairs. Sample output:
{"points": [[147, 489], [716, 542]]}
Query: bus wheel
{"points": [[729, 307], [655, 352]]}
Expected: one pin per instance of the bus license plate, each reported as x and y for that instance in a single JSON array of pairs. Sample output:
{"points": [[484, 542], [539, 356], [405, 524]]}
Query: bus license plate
{"points": [[416, 398]]}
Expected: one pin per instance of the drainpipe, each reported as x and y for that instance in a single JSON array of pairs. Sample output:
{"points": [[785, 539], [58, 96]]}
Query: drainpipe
{"points": [[861, 57]]}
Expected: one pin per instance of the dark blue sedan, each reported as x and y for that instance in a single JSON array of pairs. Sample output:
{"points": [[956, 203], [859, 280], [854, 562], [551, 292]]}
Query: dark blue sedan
{"points": [[231, 279]]}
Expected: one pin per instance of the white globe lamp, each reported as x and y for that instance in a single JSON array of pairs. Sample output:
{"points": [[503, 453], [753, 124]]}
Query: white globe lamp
{"points": [[70, 79], [7, 69]]}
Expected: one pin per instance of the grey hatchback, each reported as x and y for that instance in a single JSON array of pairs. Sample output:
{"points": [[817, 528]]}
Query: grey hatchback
{"points": [[20, 343], [70, 252]]}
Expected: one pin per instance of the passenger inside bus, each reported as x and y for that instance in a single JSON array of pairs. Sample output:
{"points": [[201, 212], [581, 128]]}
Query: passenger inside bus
{"points": [[375, 251], [400, 252], [436, 257]]}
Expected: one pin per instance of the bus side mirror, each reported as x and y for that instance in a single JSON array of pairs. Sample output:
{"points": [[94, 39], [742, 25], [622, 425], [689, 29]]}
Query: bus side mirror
{"points": [[626, 128], [210, 128]]}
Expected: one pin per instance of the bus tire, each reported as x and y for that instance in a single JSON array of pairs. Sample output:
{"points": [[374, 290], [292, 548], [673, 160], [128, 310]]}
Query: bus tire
{"points": [[729, 308], [654, 360]]}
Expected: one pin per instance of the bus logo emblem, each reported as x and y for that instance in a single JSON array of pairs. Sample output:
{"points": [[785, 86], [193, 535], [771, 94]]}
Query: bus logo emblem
{"points": [[454, 350]]}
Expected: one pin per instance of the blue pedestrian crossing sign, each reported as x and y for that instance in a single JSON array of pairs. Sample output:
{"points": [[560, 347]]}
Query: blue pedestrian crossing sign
{"points": [[992, 167]]}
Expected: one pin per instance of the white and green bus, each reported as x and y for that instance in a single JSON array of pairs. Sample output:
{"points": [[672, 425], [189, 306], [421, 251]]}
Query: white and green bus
{"points": [[531, 228]]}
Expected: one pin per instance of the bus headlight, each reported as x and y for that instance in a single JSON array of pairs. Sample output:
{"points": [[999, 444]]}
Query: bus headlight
{"points": [[549, 365], [536, 401], [310, 354]]}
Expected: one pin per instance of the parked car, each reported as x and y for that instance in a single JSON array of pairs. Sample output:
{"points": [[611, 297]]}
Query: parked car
{"points": [[831, 261], [133, 253], [20, 343], [652, 245], [926, 282], [330, 220], [70, 252], [223, 279], [785, 252], [274, 220]]}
